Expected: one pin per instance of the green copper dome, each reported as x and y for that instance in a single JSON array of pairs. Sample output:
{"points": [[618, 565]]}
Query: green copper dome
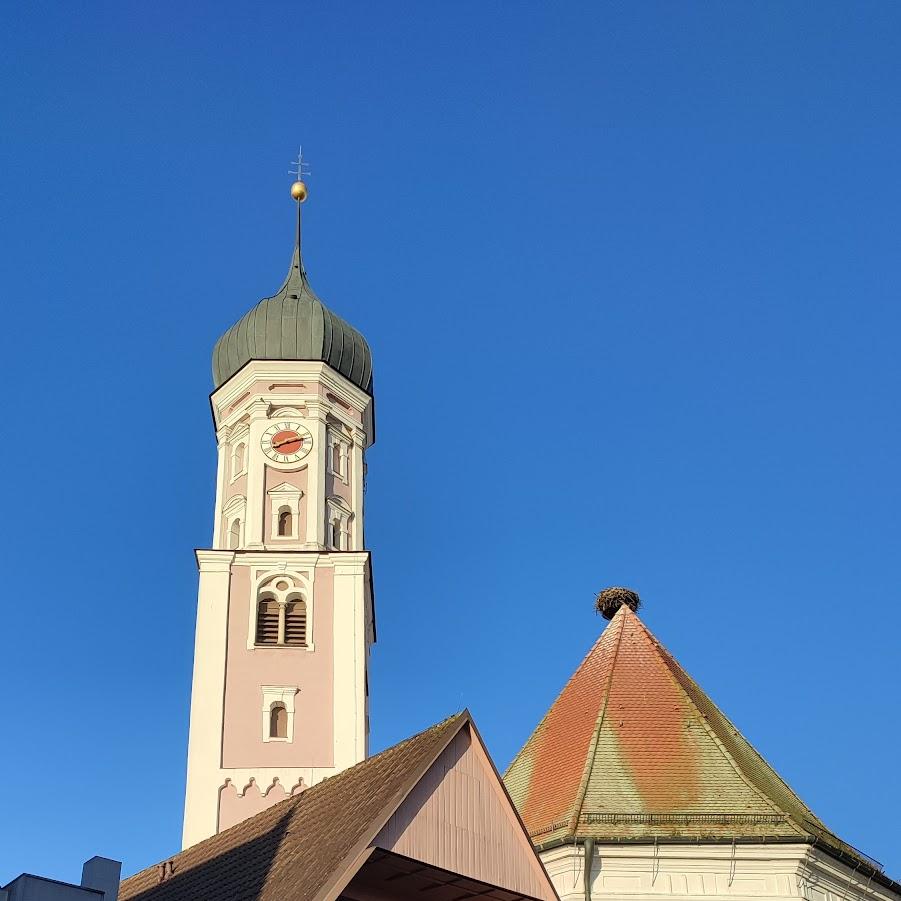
{"points": [[294, 325]]}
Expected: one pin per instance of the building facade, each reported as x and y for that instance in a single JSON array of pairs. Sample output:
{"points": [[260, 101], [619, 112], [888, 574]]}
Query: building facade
{"points": [[285, 616], [99, 882]]}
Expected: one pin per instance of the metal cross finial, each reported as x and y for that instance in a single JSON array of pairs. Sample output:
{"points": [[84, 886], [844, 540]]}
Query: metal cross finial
{"points": [[300, 169]]}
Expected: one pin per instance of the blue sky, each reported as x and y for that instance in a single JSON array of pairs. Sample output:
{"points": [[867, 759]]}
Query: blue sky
{"points": [[630, 275]]}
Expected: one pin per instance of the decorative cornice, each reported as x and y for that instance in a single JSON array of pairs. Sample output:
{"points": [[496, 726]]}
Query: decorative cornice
{"points": [[214, 561], [233, 504], [272, 370], [292, 559], [252, 783], [285, 489]]}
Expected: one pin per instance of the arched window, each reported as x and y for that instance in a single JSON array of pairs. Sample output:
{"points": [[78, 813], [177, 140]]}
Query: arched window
{"points": [[278, 712], [234, 534], [281, 617], [267, 621], [278, 721], [284, 509], [285, 524], [296, 623], [238, 459], [339, 448], [338, 524]]}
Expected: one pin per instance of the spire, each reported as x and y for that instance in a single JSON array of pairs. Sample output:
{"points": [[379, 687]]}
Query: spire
{"points": [[299, 169], [293, 323]]}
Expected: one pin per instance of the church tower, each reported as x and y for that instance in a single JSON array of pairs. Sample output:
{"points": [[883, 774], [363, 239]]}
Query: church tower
{"points": [[285, 616]]}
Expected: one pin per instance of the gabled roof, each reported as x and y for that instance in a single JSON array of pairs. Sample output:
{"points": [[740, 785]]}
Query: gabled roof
{"points": [[296, 848], [632, 748], [307, 847]]}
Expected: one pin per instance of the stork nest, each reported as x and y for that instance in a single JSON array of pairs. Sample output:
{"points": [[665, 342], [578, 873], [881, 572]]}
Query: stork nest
{"points": [[610, 600]]}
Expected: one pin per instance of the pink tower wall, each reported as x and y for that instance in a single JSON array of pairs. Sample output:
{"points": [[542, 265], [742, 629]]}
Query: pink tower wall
{"points": [[233, 808], [298, 480], [248, 670]]}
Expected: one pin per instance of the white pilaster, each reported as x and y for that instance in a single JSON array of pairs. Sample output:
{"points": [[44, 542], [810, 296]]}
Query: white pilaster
{"points": [[207, 697], [222, 436], [316, 423], [350, 660], [256, 475], [356, 489]]}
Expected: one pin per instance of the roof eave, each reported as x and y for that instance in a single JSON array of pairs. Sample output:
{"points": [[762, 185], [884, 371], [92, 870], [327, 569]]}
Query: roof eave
{"points": [[857, 864]]}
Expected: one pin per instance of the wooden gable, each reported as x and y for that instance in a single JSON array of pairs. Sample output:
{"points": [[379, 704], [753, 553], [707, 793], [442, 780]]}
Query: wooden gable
{"points": [[458, 817]]}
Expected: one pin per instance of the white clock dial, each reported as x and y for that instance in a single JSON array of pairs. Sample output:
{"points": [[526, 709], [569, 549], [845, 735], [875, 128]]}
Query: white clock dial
{"points": [[286, 442]]}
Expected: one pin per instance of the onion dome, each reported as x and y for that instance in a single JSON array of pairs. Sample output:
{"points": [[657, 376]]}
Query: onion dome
{"points": [[294, 324]]}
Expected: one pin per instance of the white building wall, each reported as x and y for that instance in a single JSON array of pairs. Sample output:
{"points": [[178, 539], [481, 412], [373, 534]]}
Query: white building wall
{"points": [[696, 871]]}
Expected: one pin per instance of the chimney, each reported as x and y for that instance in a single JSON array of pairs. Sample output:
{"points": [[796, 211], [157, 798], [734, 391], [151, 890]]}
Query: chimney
{"points": [[102, 874]]}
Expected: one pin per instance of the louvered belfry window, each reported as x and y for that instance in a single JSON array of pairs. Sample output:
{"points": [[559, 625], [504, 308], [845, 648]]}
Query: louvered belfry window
{"points": [[267, 622], [296, 623]]}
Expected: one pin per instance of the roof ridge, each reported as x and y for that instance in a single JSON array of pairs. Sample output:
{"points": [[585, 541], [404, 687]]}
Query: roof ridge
{"points": [[593, 744]]}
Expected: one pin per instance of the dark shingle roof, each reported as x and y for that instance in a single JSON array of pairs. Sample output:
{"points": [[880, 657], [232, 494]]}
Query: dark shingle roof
{"points": [[296, 849], [294, 324]]}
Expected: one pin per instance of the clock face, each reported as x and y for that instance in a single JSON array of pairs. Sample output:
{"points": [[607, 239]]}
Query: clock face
{"points": [[286, 442]]}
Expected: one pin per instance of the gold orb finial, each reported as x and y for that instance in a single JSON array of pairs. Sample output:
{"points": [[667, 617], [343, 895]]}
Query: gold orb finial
{"points": [[299, 191]]}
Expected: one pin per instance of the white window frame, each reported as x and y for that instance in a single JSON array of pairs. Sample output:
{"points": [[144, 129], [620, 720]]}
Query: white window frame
{"points": [[299, 589], [235, 508], [235, 472], [284, 495], [278, 694], [336, 438], [338, 508]]}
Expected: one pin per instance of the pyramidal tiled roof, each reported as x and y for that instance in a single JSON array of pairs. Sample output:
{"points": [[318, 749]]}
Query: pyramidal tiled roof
{"points": [[632, 748]]}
